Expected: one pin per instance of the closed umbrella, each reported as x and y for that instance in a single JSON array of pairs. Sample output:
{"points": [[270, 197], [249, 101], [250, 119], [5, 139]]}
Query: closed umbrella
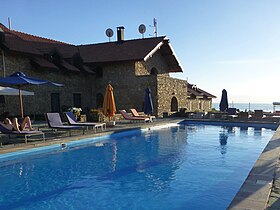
{"points": [[148, 103], [224, 101], [109, 107], [19, 79]]}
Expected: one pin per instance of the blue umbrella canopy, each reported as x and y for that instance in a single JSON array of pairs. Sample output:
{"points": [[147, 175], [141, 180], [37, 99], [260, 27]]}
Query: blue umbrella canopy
{"points": [[224, 101], [19, 79], [148, 103]]}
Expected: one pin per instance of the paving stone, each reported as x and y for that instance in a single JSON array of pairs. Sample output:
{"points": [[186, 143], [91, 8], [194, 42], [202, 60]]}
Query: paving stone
{"points": [[241, 203]]}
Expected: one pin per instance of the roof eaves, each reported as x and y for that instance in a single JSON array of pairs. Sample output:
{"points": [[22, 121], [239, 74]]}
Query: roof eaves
{"points": [[153, 51], [209, 95], [174, 54]]}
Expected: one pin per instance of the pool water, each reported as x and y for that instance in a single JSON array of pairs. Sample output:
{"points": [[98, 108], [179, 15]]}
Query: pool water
{"points": [[180, 167]]}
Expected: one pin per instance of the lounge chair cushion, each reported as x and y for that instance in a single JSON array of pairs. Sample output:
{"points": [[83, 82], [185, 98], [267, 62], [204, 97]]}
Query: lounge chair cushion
{"points": [[72, 121], [25, 133], [54, 121], [127, 117], [136, 114]]}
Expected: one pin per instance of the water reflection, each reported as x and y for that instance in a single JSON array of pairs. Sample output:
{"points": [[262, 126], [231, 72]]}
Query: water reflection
{"points": [[257, 131], [244, 129], [114, 159], [160, 156], [230, 129], [223, 142]]}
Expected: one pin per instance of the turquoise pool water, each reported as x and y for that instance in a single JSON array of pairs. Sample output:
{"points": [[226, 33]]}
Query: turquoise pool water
{"points": [[180, 167]]}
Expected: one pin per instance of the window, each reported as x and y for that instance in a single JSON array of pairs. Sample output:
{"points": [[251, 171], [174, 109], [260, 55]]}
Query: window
{"points": [[55, 102], [77, 101], [200, 105], [99, 100], [56, 57], [154, 71], [2, 99], [98, 72]]}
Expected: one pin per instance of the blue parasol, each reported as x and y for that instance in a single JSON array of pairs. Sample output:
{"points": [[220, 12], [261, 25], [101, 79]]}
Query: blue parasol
{"points": [[19, 79], [148, 103]]}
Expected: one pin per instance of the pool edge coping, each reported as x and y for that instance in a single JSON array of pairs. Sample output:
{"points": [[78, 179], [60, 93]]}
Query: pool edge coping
{"points": [[256, 190]]}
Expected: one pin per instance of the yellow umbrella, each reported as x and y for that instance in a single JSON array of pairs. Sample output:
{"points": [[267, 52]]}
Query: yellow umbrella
{"points": [[109, 107]]}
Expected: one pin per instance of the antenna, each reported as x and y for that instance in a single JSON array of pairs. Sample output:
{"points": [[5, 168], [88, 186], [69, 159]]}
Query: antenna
{"points": [[10, 23], [142, 29], [155, 27], [109, 32]]}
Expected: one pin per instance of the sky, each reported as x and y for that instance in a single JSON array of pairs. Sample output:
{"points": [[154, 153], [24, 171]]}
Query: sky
{"points": [[220, 44]]}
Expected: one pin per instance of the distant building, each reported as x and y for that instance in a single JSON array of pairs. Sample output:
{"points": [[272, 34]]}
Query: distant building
{"points": [[85, 70], [199, 100]]}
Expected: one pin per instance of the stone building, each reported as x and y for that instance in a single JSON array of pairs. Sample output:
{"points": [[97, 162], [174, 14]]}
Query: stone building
{"points": [[85, 70], [198, 99]]}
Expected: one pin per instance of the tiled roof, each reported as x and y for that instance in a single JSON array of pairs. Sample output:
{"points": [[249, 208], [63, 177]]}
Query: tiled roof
{"points": [[43, 63], [128, 50], [115, 51], [27, 37], [16, 44], [193, 90]]}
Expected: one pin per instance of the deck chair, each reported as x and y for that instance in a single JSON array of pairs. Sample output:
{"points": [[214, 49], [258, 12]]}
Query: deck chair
{"points": [[133, 119], [136, 114], [55, 122], [231, 114], [259, 114], [243, 115], [71, 119], [24, 133]]}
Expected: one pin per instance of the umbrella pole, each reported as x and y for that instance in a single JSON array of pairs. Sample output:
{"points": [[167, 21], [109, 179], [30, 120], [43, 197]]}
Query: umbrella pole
{"points": [[20, 103]]}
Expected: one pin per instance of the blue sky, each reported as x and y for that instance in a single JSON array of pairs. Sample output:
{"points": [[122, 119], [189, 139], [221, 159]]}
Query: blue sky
{"points": [[221, 44]]}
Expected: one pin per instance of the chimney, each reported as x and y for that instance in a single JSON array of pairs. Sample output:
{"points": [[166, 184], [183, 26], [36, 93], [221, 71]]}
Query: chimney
{"points": [[120, 34]]}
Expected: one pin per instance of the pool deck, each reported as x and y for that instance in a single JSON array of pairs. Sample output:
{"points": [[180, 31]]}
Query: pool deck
{"points": [[261, 189], [17, 143]]}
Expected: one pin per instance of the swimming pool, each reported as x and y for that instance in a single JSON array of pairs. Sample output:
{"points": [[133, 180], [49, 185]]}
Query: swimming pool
{"points": [[179, 167]]}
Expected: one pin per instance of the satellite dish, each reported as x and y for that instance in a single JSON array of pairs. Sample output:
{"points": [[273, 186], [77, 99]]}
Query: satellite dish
{"points": [[142, 29], [109, 32]]}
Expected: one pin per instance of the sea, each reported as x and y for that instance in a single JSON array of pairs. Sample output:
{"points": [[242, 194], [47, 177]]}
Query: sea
{"points": [[250, 106]]}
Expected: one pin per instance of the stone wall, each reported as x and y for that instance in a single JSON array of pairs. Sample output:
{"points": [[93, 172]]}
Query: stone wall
{"points": [[129, 80], [156, 61], [167, 89], [199, 104], [129, 89], [41, 102]]}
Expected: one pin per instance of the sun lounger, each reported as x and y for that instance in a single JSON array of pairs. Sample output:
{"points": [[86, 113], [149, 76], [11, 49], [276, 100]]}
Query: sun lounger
{"points": [[258, 114], [243, 115], [55, 122], [136, 114], [133, 119], [25, 133], [72, 121]]}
